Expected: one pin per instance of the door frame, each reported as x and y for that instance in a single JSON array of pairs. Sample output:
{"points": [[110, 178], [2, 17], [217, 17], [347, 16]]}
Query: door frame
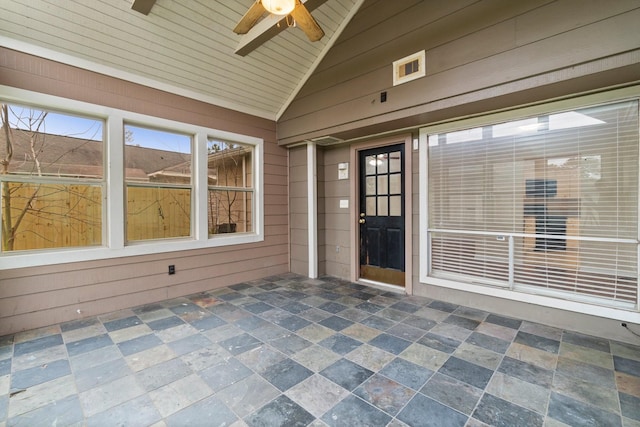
{"points": [[354, 228]]}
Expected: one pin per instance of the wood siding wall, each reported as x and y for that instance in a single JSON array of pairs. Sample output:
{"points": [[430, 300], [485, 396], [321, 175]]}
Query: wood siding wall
{"points": [[334, 223], [480, 56], [298, 205], [40, 296]]}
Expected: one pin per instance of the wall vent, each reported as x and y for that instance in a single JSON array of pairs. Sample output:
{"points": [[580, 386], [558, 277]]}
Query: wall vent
{"points": [[409, 68], [327, 140]]}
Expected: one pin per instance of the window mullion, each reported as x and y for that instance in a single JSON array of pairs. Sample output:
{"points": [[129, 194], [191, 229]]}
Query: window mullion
{"points": [[115, 209], [200, 175]]}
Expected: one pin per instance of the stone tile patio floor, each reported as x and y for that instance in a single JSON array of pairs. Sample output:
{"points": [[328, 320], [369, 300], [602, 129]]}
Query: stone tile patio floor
{"points": [[292, 351]]}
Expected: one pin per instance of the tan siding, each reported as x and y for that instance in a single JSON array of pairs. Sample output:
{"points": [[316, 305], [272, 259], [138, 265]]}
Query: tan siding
{"points": [[39, 296], [336, 231], [478, 56], [298, 209]]}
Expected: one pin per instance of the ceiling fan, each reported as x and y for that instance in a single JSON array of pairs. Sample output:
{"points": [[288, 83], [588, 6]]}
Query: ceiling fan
{"points": [[291, 9]]}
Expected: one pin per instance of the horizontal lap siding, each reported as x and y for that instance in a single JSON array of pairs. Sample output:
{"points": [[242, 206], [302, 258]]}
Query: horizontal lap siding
{"points": [[475, 52], [298, 202], [40, 296]]}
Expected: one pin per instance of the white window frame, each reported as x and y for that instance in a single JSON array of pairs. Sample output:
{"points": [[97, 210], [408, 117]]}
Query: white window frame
{"points": [[611, 312], [114, 243]]}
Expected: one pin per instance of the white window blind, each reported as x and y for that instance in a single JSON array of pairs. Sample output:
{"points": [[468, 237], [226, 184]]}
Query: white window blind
{"points": [[547, 203]]}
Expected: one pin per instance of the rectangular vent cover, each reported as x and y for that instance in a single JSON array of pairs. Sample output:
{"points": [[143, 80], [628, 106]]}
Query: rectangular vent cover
{"points": [[409, 68]]}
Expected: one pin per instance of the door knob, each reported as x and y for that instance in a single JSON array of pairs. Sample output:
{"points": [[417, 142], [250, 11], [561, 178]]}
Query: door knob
{"points": [[361, 221]]}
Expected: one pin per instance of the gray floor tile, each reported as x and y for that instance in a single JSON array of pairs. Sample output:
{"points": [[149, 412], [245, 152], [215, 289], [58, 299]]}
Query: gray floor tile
{"points": [[240, 343], [40, 374], [439, 415], [353, 411], [288, 350], [588, 341], [526, 372], [63, 412], [139, 344], [207, 412], [280, 412], [286, 373], [346, 374], [248, 395], [189, 344], [407, 373], [489, 342], [536, 341], [136, 412], [336, 323], [384, 393], [586, 372], [451, 392], [630, 406], [162, 374], [126, 322], [390, 343], [101, 374], [467, 372], [224, 374], [317, 394], [628, 366], [575, 413], [37, 344], [438, 342], [340, 344], [501, 413], [504, 321]]}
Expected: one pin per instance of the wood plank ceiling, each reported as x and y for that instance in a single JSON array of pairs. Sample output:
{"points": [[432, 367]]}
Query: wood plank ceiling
{"points": [[182, 46]]}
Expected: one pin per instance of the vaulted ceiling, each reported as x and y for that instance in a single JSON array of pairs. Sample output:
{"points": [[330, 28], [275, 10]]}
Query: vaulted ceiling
{"points": [[186, 47]]}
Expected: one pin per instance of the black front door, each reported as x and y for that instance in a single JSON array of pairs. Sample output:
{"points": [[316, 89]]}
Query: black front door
{"points": [[381, 217]]}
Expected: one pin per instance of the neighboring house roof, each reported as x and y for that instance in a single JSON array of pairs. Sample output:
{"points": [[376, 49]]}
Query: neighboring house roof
{"points": [[76, 157]]}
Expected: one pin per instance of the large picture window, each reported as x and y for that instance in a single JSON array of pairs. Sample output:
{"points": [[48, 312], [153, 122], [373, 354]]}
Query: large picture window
{"points": [[546, 204], [51, 178], [82, 182]]}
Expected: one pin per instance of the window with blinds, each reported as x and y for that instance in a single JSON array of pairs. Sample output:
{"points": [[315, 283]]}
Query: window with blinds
{"points": [[547, 203]]}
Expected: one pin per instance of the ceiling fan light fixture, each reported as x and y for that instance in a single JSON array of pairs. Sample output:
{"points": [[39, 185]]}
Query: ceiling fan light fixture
{"points": [[279, 7]]}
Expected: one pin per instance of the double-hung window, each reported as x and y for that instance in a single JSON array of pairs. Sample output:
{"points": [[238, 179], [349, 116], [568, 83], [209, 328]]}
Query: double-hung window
{"points": [[82, 182], [51, 178], [158, 176], [230, 187]]}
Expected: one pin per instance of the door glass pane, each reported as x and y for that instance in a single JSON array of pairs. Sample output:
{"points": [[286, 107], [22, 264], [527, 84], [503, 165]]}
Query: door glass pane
{"points": [[370, 165], [395, 164], [383, 206], [371, 185], [382, 184], [371, 206], [383, 164], [395, 207], [395, 184]]}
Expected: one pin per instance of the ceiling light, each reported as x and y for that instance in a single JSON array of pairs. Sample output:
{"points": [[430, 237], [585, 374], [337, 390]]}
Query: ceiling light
{"points": [[279, 7]]}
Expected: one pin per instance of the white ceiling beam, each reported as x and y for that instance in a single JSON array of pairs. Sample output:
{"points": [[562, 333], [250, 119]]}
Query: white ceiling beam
{"points": [[267, 29]]}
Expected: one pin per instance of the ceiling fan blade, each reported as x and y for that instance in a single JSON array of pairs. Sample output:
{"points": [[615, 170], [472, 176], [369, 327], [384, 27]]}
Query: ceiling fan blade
{"points": [[305, 21], [250, 18]]}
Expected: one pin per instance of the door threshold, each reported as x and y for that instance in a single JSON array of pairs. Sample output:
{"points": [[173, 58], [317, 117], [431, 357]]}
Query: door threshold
{"points": [[383, 286]]}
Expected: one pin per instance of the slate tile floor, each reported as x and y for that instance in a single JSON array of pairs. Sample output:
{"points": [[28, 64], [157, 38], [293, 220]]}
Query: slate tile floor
{"points": [[292, 351]]}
